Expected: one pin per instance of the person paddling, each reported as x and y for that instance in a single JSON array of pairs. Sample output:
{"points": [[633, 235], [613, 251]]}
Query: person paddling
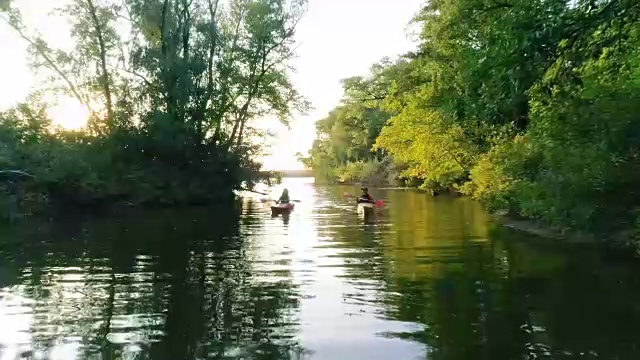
{"points": [[284, 198], [365, 197]]}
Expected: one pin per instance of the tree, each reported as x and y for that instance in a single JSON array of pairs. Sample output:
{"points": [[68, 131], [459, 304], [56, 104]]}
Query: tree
{"points": [[173, 86], [343, 149], [524, 105]]}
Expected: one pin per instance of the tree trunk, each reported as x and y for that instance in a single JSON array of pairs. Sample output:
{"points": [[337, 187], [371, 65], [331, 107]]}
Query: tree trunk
{"points": [[104, 77]]}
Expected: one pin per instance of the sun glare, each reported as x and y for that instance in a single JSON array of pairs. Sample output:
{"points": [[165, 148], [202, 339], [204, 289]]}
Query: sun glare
{"points": [[70, 114]]}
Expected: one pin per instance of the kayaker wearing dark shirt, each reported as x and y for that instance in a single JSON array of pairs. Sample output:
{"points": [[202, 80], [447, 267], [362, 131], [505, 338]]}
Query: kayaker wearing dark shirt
{"points": [[365, 197], [284, 198]]}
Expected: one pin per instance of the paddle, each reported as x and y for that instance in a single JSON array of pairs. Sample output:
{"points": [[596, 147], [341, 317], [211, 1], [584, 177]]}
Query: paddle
{"points": [[253, 191], [265, 200], [269, 200], [379, 203], [15, 173]]}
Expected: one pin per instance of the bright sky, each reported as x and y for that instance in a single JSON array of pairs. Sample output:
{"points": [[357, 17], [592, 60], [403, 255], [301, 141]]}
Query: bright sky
{"points": [[338, 39]]}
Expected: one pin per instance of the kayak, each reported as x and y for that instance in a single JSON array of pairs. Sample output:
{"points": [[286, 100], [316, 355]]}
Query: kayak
{"points": [[280, 208], [365, 209], [288, 206]]}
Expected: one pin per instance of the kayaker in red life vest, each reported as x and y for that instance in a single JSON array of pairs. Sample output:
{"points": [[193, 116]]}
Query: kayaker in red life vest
{"points": [[365, 197], [284, 198]]}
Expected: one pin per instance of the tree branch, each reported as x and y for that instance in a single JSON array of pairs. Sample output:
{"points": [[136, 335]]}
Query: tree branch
{"points": [[51, 63], [104, 79]]}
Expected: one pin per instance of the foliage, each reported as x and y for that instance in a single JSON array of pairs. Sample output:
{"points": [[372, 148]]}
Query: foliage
{"points": [[342, 151], [526, 105], [581, 170], [172, 86], [371, 172]]}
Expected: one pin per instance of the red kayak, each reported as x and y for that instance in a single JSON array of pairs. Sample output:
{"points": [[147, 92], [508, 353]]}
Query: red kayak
{"points": [[281, 208]]}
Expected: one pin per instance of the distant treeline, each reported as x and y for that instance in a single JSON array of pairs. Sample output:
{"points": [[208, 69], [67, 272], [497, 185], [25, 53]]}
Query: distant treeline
{"points": [[288, 173]]}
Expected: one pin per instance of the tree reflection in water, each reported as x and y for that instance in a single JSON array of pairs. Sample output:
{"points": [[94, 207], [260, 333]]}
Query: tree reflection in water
{"points": [[484, 292], [161, 285]]}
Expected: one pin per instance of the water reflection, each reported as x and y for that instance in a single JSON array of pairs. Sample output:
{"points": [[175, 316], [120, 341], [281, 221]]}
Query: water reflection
{"points": [[425, 278], [162, 285]]}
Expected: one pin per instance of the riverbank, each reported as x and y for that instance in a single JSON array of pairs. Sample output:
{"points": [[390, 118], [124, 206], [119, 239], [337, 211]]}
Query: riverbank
{"points": [[36, 197], [543, 230], [621, 244]]}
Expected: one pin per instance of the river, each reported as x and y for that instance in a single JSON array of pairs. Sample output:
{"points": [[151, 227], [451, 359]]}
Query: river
{"points": [[427, 278]]}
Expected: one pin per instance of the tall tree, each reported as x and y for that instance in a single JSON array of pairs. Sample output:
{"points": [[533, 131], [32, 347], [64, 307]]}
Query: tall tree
{"points": [[173, 86]]}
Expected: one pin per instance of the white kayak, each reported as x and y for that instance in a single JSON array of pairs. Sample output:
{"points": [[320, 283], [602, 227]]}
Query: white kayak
{"points": [[365, 209]]}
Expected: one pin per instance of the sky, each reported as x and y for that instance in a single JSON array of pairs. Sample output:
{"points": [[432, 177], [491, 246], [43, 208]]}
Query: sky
{"points": [[337, 39]]}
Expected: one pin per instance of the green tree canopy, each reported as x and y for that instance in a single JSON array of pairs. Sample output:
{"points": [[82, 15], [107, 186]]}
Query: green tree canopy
{"points": [[529, 105]]}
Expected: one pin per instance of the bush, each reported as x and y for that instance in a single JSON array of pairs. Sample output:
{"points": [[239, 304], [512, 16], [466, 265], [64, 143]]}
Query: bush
{"points": [[78, 169], [577, 165], [372, 172]]}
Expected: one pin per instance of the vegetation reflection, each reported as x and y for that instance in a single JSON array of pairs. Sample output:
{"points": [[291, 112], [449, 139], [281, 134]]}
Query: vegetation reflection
{"points": [[158, 285], [484, 291]]}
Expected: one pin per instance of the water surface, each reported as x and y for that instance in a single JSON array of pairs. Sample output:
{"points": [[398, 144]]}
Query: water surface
{"points": [[428, 278]]}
